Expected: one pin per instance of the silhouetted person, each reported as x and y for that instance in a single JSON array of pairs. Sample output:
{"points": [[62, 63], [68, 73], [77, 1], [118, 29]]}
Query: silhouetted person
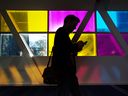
{"points": [[64, 57]]}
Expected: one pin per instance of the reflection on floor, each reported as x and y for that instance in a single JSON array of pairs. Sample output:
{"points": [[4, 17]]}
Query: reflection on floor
{"points": [[91, 90]]}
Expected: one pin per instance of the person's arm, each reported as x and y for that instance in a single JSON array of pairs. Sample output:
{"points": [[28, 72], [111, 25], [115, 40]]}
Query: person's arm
{"points": [[80, 45]]}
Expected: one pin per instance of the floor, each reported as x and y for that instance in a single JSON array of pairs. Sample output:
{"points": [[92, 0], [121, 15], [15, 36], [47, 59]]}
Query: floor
{"points": [[91, 90]]}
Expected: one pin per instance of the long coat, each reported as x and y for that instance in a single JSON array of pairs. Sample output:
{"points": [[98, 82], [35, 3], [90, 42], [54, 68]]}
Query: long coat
{"points": [[63, 53]]}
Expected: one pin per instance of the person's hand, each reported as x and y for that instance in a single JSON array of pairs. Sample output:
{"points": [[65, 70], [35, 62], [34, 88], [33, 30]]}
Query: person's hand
{"points": [[80, 45]]}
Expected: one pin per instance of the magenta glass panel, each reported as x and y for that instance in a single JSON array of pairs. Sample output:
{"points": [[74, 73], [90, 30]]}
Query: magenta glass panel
{"points": [[56, 19], [107, 46]]}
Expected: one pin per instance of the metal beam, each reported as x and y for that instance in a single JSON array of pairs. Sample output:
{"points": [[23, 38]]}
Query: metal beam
{"points": [[84, 22]]}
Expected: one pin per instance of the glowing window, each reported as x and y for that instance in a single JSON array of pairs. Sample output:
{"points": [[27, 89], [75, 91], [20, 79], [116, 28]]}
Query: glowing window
{"points": [[107, 46], [56, 19], [51, 42], [101, 25], [37, 43], [29, 21], [8, 45], [88, 50], [120, 19], [39, 20], [125, 37], [3, 25]]}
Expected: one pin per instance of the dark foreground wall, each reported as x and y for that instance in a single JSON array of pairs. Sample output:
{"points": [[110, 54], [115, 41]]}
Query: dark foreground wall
{"points": [[90, 70]]}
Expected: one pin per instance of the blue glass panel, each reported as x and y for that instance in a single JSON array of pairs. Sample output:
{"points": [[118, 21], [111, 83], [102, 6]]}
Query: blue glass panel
{"points": [[120, 19], [101, 26], [8, 45]]}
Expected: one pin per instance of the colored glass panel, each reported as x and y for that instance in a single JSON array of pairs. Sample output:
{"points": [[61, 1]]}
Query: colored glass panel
{"points": [[56, 19], [51, 41], [3, 25], [120, 19], [8, 45], [125, 37], [37, 43], [29, 21], [101, 25], [107, 46], [90, 48]]}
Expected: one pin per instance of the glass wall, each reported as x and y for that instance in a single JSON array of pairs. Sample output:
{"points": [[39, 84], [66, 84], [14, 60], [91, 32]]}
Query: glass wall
{"points": [[38, 28]]}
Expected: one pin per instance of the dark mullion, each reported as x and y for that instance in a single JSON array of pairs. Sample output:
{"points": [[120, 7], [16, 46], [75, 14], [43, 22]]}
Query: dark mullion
{"points": [[96, 34], [48, 33]]}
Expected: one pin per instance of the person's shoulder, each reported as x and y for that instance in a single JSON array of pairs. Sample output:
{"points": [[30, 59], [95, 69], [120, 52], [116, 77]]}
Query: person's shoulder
{"points": [[60, 30]]}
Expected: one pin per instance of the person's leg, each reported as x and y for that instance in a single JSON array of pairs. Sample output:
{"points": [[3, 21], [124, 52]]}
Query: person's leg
{"points": [[62, 89], [74, 86]]}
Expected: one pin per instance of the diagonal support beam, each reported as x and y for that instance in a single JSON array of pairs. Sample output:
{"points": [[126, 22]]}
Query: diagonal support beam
{"points": [[103, 12], [84, 22], [97, 4], [19, 39]]}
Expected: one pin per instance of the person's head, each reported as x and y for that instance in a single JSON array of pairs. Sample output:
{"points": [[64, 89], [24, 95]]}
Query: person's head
{"points": [[70, 22]]}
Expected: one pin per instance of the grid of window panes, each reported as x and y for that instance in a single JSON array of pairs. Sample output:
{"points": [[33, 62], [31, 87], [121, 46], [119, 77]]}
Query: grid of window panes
{"points": [[38, 28]]}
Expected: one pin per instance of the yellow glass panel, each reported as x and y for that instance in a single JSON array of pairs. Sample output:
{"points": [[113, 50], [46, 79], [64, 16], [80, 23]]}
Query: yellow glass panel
{"points": [[37, 21], [29, 20], [3, 26], [51, 42], [88, 50], [71, 35]]}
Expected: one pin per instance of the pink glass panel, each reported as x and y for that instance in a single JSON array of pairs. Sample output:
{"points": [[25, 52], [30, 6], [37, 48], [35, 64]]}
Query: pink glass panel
{"points": [[56, 19]]}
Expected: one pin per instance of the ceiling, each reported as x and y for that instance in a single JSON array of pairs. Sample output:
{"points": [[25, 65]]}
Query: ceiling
{"points": [[62, 4]]}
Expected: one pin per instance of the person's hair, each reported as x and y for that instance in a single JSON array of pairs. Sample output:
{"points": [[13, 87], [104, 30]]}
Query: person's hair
{"points": [[71, 18]]}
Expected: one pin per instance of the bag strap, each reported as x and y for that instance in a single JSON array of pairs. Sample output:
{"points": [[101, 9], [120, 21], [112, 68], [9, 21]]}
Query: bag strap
{"points": [[47, 64], [50, 57]]}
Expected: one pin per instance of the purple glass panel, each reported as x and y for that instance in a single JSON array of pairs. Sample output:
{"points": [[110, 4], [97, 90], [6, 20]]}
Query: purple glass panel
{"points": [[125, 37], [107, 46], [56, 19]]}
